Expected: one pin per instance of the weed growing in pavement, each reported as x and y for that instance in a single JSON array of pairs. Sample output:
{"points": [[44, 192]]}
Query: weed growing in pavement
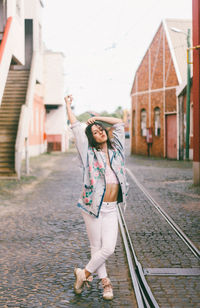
{"points": [[8, 187]]}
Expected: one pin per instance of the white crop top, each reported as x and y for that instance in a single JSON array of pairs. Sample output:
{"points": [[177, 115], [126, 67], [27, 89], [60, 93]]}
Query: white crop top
{"points": [[109, 173], [110, 176]]}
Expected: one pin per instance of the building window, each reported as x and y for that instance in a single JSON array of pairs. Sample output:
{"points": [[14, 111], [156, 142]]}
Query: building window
{"points": [[191, 119], [143, 122], [133, 119], [157, 121]]}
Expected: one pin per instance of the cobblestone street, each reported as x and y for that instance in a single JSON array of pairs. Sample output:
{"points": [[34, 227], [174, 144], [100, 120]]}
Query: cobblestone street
{"points": [[43, 236], [155, 242]]}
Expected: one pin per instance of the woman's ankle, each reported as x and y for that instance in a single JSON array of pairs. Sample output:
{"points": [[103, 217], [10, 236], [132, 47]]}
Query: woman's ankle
{"points": [[87, 274]]}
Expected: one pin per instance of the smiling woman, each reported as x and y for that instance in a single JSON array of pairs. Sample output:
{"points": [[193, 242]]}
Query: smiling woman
{"points": [[104, 185]]}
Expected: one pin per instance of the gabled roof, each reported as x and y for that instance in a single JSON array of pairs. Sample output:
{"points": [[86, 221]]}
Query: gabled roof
{"points": [[178, 44]]}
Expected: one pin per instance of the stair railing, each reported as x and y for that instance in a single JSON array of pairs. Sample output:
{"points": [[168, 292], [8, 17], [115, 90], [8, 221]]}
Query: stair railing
{"points": [[24, 120]]}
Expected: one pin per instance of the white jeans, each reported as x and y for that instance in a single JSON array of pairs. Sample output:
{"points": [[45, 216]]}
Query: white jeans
{"points": [[102, 233]]}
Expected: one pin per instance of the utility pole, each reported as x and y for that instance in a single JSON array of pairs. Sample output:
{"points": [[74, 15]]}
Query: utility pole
{"points": [[188, 100], [196, 90]]}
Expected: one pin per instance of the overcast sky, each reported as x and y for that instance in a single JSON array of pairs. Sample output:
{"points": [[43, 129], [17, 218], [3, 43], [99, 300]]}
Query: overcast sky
{"points": [[104, 42]]}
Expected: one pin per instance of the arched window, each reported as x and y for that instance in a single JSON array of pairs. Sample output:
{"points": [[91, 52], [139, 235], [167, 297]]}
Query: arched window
{"points": [[143, 122], [133, 119], [157, 121]]}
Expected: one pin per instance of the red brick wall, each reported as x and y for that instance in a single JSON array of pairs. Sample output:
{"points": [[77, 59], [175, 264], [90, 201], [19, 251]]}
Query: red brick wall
{"points": [[143, 78], [170, 100], [156, 51], [157, 148], [157, 98]]}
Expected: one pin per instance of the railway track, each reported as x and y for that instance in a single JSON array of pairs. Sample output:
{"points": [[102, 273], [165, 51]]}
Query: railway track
{"points": [[143, 293]]}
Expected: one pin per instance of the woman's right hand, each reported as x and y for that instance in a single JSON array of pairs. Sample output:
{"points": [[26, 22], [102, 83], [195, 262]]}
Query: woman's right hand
{"points": [[68, 99]]}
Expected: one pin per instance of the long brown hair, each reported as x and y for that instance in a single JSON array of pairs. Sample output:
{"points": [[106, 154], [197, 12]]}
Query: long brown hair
{"points": [[92, 142]]}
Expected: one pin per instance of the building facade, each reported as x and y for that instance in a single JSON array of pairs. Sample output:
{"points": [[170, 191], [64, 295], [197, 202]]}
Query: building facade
{"points": [[25, 87], [154, 126], [56, 128]]}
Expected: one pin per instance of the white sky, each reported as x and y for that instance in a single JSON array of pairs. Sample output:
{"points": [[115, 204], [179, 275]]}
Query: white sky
{"points": [[104, 42]]}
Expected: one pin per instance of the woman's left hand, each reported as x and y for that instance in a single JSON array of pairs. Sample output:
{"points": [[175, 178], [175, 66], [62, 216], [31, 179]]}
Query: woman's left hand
{"points": [[91, 120]]}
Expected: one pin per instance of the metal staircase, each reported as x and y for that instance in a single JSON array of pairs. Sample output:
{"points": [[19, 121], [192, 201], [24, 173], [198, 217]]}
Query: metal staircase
{"points": [[13, 98]]}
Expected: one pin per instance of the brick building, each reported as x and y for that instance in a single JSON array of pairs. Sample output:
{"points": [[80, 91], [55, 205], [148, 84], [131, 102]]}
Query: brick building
{"points": [[153, 96]]}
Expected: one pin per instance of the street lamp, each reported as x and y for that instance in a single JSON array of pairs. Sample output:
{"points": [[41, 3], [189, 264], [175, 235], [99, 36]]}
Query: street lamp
{"points": [[187, 92]]}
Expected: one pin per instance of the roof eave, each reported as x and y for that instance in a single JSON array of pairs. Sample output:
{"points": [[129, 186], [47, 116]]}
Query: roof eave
{"points": [[178, 74]]}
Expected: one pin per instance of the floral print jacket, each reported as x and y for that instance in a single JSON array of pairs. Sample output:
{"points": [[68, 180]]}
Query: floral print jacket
{"points": [[94, 184]]}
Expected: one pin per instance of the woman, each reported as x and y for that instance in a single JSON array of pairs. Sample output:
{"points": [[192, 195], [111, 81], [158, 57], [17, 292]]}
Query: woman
{"points": [[104, 186]]}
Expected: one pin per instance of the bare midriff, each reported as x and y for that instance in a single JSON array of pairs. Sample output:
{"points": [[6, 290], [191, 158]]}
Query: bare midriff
{"points": [[112, 183], [111, 193]]}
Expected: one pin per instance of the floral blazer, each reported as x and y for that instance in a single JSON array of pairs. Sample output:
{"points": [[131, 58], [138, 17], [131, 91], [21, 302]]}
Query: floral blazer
{"points": [[94, 184]]}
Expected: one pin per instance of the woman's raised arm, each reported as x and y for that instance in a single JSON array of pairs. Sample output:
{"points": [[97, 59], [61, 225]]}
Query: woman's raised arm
{"points": [[118, 131], [109, 120], [78, 131], [71, 116]]}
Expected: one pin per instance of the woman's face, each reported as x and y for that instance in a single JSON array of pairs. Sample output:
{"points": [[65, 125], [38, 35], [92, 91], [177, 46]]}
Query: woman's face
{"points": [[99, 134]]}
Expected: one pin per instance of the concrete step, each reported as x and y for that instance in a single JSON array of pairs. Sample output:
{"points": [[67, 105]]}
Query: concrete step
{"points": [[15, 85], [16, 81], [7, 115], [9, 123], [18, 72], [6, 144], [9, 150], [11, 108], [16, 89], [12, 104], [18, 93], [7, 170], [16, 103], [7, 130], [14, 95], [8, 176], [7, 138], [7, 155], [7, 165], [7, 161], [12, 126], [12, 114]]}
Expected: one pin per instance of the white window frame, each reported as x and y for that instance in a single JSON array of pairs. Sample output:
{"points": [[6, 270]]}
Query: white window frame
{"points": [[143, 122], [157, 121]]}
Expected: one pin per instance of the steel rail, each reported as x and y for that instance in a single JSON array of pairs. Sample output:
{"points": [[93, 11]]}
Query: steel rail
{"points": [[144, 296], [170, 221]]}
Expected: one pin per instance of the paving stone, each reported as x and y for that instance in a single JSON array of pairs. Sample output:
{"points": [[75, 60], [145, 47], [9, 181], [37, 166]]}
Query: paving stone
{"points": [[156, 244]]}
